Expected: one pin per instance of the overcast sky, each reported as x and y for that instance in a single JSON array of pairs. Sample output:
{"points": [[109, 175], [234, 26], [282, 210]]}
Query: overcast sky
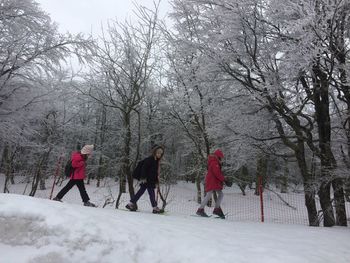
{"points": [[87, 15]]}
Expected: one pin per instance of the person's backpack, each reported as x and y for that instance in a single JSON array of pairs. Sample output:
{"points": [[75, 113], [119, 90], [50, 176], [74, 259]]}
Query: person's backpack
{"points": [[68, 169], [137, 171]]}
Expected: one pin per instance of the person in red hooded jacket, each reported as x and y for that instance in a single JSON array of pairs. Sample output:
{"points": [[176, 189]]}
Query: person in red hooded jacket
{"points": [[214, 181], [78, 175]]}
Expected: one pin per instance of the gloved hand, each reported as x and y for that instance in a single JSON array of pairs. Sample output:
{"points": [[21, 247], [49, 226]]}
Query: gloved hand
{"points": [[228, 182], [143, 181]]}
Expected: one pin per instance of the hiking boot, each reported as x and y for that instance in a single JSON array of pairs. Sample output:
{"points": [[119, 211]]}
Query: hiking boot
{"points": [[132, 207], [200, 212], [57, 199], [88, 203], [157, 210], [219, 213]]}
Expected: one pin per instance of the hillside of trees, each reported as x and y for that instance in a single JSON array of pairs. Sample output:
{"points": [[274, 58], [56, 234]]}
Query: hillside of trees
{"points": [[267, 82]]}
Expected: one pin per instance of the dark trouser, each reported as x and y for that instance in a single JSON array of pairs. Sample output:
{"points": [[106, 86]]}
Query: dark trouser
{"points": [[141, 191], [81, 187]]}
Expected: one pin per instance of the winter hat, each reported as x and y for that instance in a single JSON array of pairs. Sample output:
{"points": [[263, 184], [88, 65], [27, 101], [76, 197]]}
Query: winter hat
{"points": [[219, 153], [87, 149], [155, 148]]}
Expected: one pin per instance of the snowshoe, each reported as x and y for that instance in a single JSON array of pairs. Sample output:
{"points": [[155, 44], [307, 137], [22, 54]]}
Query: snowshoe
{"points": [[57, 199], [200, 212], [157, 210], [132, 207], [219, 213], [88, 203]]}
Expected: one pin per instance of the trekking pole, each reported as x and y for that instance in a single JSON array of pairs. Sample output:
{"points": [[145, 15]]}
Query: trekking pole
{"points": [[56, 174], [157, 193]]}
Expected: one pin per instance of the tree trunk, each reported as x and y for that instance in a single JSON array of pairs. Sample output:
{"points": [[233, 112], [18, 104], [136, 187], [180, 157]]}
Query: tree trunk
{"points": [[199, 190], [326, 204], [126, 158], [261, 171], [119, 195], [103, 128], [309, 187], [328, 163], [3, 159], [12, 176], [7, 164], [36, 178], [243, 178], [339, 200], [41, 168], [100, 171], [42, 180], [284, 179], [7, 167]]}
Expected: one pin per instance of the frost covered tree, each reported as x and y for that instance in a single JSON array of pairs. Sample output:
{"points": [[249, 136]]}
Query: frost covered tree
{"points": [[191, 89], [209, 106], [318, 26], [121, 68], [268, 47], [31, 53], [30, 47]]}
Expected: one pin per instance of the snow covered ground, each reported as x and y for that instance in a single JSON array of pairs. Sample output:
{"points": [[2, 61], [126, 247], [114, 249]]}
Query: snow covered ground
{"points": [[44, 231]]}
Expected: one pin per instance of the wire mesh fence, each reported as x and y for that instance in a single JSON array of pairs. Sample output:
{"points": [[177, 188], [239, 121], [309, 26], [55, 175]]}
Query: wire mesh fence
{"points": [[276, 207]]}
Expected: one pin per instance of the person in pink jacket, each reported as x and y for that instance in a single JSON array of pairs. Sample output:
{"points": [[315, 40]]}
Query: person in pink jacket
{"points": [[214, 181], [78, 175]]}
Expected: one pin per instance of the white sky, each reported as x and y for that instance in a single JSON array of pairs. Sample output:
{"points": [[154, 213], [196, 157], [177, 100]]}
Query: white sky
{"points": [[86, 16]]}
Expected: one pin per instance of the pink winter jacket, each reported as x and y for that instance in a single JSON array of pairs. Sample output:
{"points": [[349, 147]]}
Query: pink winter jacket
{"points": [[78, 164], [214, 179]]}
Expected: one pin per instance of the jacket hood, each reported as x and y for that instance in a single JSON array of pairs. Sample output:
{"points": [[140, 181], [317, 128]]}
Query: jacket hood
{"points": [[77, 155], [212, 158], [219, 153]]}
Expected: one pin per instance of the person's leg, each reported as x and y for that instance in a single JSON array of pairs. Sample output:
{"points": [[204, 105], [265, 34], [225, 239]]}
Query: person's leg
{"points": [[65, 189], [152, 196], [82, 190], [206, 199], [217, 209], [219, 200], [139, 193], [132, 204]]}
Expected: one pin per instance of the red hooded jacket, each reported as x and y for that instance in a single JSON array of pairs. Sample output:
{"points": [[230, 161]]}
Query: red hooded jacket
{"points": [[78, 164], [214, 179]]}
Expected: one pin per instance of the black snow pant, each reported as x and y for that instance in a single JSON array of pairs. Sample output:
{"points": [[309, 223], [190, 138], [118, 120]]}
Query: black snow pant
{"points": [[81, 187]]}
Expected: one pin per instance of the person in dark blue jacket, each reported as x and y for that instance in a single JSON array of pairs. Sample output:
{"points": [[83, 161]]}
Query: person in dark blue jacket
{"points": [[149, 180]]}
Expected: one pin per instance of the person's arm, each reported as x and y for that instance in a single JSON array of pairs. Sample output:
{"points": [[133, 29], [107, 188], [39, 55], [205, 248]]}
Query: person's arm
{"points": [[145, 168], [158, 171], [78, 161], [217, 172]]}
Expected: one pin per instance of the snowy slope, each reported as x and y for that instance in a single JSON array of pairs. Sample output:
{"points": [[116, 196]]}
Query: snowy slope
{"points": [[182, 200], [39, 230]]}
